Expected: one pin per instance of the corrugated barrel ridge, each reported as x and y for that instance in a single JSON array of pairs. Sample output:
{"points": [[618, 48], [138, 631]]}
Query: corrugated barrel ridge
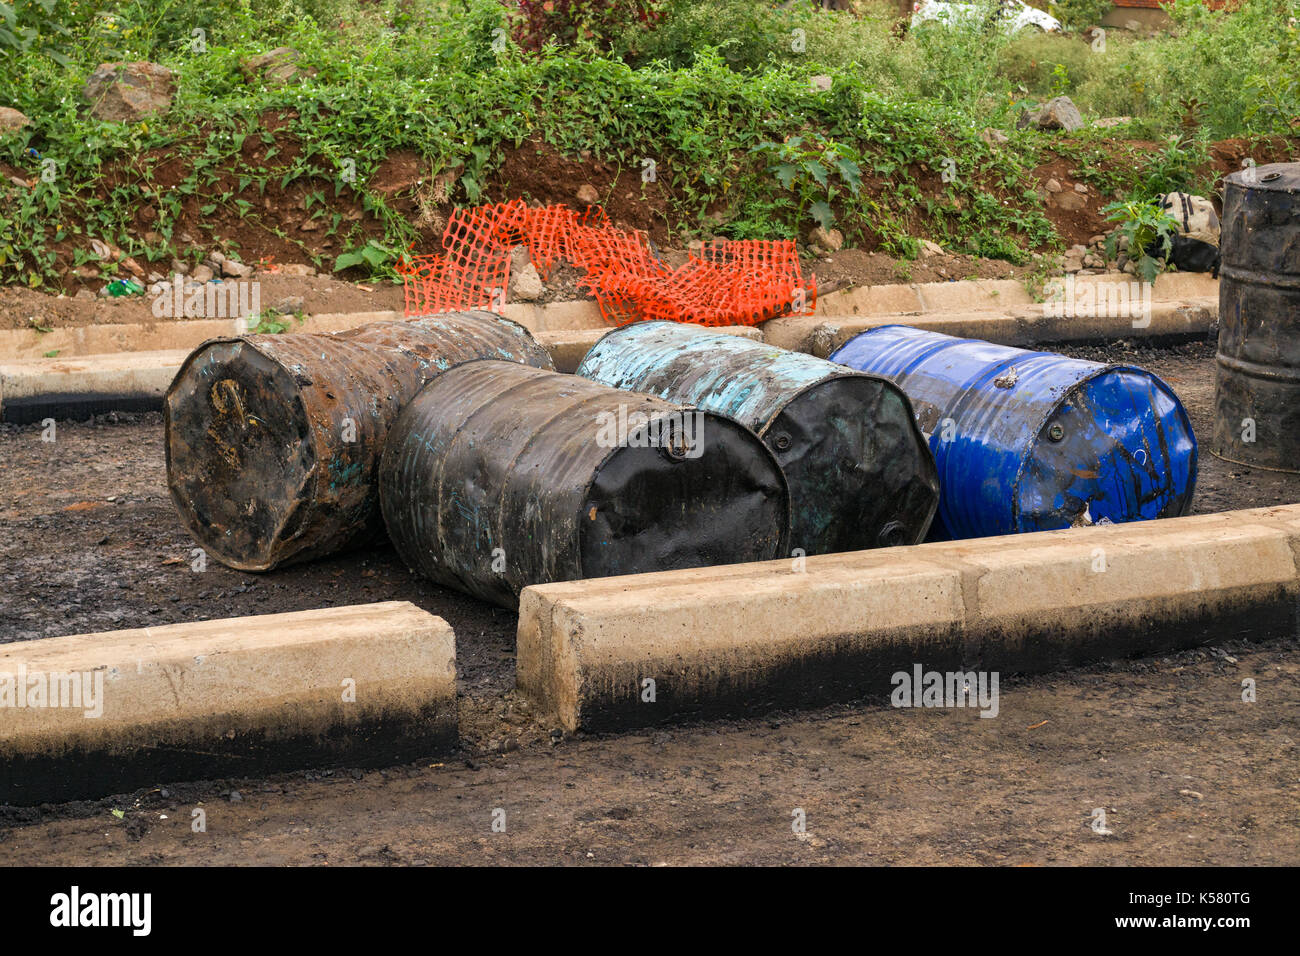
{"points": [[1257, 381], [1031, 441], [499, 476], [860, 473], [273, 440]]}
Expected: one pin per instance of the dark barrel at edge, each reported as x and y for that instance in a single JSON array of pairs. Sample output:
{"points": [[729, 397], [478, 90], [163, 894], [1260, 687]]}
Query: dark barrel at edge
{"points": [[860, 473], [272, 441], [497, 476], [1257, 365]]}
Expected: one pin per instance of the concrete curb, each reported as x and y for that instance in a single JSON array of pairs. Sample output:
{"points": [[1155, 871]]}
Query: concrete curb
{"points": [[985, 295], [746, 639], [126, 377], [188, 334], [923, 298], [237, 697], [31, 390], [1025, 326], [35, 389], [163, 335]]}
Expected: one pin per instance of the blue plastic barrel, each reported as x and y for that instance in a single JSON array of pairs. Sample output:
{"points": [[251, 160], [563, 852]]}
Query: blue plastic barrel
{"points": [[1033, 441]]}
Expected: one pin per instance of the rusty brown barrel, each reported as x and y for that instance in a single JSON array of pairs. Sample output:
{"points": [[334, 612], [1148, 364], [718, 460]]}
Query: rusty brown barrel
{"points": [[497, 476], [273, 440], [1257, 380]]}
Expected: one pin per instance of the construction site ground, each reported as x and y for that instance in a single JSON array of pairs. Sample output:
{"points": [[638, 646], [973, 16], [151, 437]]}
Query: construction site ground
{"points": [[1188, 772]]}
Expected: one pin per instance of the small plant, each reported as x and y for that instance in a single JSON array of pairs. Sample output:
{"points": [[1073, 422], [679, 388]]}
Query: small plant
{"points": [[1145, 226], [372, 255], [32, 25], [1060, 80], [816, 170], [271, 322]]}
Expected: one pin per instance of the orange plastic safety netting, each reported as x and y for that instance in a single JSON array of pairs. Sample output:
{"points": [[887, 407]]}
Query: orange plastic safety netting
{"points": [[740, 282]]}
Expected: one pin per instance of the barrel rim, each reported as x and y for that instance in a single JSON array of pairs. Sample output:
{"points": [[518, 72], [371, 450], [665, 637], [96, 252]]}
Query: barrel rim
{"points": [[484, 313], [1091, 377], [269, 560], [1235, 178], [765, 453]]}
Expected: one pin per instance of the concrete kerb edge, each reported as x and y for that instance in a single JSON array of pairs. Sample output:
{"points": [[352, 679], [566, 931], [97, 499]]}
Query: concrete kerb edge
{"points": [[235, 697], [894, 300], [75, 386], [762, 641]]}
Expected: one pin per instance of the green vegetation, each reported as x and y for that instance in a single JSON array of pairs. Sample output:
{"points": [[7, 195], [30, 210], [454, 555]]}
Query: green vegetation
{"points": [[720, 93], [1144, 226], [273, 322]]}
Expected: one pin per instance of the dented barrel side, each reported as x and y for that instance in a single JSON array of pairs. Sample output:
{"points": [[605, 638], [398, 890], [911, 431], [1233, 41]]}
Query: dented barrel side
{"points": [[272, 441], [1257, 365], [499, 476], [1034, 441], [860, 473]]}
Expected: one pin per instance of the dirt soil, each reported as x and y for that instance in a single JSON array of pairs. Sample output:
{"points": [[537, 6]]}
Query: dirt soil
{"points": [[89, 542], [287, 224], [22, 308]]}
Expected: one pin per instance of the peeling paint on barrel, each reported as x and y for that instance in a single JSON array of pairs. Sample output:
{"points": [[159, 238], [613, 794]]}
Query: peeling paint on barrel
{"points": [[860, 473], [1034, 441], [496, 477], [272, 441], [1257, 365]]}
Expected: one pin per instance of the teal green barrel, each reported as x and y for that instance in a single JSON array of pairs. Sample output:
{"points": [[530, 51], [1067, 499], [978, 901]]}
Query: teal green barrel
{"points": [[859, 470]]}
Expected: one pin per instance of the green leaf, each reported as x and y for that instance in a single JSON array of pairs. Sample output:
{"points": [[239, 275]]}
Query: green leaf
{"points": [[822, 213], [851, 174], [347, 260]]}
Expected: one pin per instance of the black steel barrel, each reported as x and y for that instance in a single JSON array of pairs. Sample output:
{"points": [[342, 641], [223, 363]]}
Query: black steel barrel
{"points": [[497, 476], [1257, 381], [273, 440], [860, 472]]}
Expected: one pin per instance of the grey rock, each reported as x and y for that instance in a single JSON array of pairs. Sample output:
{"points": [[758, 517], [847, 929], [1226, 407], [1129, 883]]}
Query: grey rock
{"points": [[128, 92], [289, 306], [12, 120], [1057, 113], [235, 270], [526, 284], [276, 68], [826, 240]]}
